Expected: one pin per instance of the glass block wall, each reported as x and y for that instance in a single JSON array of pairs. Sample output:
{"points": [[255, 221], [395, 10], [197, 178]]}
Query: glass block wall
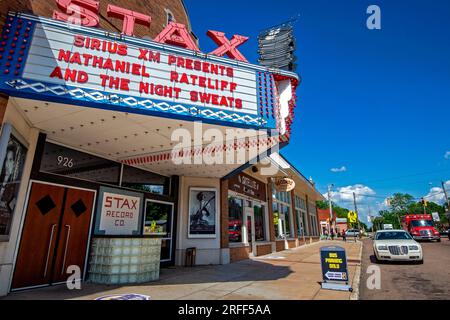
{"points": [[124, 261]]}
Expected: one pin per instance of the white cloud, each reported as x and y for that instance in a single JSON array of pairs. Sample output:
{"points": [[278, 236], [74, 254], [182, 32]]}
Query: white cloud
{"points": [[345, 194], [341, 169], [344, 197], [447, 155], [437, 195]]}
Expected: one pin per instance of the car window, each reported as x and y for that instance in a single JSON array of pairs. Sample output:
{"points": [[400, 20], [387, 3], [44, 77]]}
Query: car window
{"points": [[394, 235]]}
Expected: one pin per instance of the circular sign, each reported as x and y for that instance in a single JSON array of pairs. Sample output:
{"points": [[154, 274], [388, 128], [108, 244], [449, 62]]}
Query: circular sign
{"points": [[128, 296], [284, 185]]}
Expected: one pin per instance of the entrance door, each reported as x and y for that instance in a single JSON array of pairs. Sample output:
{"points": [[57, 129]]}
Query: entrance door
{"points": [[249, 226], [55, 235]]}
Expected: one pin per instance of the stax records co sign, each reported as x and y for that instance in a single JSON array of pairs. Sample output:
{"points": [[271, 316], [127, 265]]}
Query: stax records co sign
{"points": [[67, 59]]}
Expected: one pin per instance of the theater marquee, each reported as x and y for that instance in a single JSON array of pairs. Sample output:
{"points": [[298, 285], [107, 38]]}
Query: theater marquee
{"points": [[55, 61]]}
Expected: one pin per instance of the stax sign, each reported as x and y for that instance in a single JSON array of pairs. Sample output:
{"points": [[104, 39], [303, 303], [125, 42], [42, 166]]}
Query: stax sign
{"points": [[120, 214], [86, 13]]}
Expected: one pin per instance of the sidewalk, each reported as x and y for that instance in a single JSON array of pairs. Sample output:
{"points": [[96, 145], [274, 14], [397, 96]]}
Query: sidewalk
{"points": [[288, 275]]}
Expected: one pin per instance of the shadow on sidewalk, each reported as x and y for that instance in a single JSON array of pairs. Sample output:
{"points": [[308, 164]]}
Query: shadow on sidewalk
{"points": [[247, 270]]}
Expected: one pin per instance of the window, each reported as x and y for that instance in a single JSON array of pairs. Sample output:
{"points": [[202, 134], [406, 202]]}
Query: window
{"points": [[260, 230], [141, 180], [158, 223], [276, 219], [158, 219], [76, 164], [235, 218], [282, 213], [170, 16], [313, 218], [300, 215]]}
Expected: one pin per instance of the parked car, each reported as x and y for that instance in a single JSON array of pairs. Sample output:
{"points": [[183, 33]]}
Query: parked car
{"points": [[353, 233], [396, 245]]}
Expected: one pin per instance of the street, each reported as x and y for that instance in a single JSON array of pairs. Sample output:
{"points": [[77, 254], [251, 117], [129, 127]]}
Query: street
{"points": [[404, 281]]}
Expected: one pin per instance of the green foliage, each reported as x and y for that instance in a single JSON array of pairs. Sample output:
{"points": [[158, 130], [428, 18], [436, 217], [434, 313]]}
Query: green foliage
{"points": [[322, 205], [402, 204]]}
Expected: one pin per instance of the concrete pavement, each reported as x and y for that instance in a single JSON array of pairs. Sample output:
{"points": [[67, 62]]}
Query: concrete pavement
{"points": [[406, 281], [288, 275]]}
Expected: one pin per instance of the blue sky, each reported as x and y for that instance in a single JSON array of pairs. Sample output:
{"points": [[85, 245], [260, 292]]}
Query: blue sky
{"points": [[376, 102]]}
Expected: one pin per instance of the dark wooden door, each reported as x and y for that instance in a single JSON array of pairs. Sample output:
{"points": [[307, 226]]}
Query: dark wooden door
{"points": [[55, 235], [74, 232], [39, 235]]}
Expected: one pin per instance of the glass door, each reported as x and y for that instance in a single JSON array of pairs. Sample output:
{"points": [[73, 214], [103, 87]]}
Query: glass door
{"points": [[159, 223], [249, 232]]}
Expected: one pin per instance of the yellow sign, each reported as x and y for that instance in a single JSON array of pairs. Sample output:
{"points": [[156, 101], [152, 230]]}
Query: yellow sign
{"points": [[352, 217]]}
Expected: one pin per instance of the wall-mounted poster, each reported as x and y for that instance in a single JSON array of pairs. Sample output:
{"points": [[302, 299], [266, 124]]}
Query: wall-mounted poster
{"points": [[12, 160], [119, 212], [202, 213]]}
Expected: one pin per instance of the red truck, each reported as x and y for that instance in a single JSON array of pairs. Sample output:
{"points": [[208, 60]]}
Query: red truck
{"points": [[421, 227]]}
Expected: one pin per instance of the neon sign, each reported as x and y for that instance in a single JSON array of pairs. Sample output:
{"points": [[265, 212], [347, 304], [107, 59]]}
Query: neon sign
{"points": [[85, 13]]}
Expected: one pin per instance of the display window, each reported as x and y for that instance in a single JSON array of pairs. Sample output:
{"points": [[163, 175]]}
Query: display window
{"points": [[158, 222], [235, 219]]}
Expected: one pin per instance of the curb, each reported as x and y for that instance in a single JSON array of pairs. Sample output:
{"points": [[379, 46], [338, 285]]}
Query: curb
{"points": [[357, 278]]}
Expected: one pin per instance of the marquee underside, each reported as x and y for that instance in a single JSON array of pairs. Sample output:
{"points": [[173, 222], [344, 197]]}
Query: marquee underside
{"points": [[141, 141]]}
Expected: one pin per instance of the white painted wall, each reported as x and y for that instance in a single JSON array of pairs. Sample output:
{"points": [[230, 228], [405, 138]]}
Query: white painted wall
{"points": [[8, 249], [208, 250]]}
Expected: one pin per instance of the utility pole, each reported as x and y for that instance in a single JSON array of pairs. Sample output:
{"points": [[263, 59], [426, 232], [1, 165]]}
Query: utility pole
{"points": [[330, 204], [356, 210], [446, 196]]}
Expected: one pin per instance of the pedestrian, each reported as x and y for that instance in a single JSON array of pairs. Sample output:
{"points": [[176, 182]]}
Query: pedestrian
{"points": [[344, 236], [332, 234]]}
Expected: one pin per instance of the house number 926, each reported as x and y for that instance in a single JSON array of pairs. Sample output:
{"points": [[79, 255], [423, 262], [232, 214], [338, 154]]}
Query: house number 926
{"points": [[65, 162]]}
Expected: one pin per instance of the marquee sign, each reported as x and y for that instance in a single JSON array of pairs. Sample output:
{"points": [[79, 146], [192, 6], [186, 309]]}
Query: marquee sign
{"points": [[55, 61]]}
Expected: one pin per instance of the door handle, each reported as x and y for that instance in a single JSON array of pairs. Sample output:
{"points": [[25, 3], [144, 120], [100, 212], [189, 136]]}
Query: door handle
{"points": [[48, 250], [65, 249]]}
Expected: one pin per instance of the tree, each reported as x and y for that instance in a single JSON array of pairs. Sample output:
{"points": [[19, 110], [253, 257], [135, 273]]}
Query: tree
{"points": [[400, 202]]}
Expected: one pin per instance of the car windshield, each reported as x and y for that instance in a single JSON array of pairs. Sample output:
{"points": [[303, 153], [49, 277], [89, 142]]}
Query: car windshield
{"points": [[422, 223], [394, 235]]}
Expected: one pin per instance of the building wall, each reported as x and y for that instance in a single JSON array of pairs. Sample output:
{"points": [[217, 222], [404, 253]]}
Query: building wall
{"points": [[208, 250], [239, 253], [154, 8], [8, 248]]}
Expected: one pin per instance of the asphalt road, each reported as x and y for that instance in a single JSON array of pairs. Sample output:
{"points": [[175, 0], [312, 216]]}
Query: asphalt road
{"points": [[430, 281]]}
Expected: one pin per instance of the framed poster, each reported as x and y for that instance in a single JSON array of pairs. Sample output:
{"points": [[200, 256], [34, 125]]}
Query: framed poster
{"points": [[12, 161], [202, 213], [119, 212]]}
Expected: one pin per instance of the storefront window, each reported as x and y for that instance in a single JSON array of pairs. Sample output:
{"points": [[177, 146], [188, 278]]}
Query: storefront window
{"points": [[281, 212], [285, 210], [276, 219], [146, 181], [76, 164], [300, 215], [260, 230], [235, 218], [313, 217], [158, 219]]}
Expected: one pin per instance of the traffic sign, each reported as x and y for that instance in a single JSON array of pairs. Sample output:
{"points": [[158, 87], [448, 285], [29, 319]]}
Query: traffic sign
{"points": [[334, 269]]}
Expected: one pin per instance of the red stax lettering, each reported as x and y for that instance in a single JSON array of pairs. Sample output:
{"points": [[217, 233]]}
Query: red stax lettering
{"points": [[121, 203], [227, 47], [129, 18], [82, 12], [85, 13], [176, 34]]}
